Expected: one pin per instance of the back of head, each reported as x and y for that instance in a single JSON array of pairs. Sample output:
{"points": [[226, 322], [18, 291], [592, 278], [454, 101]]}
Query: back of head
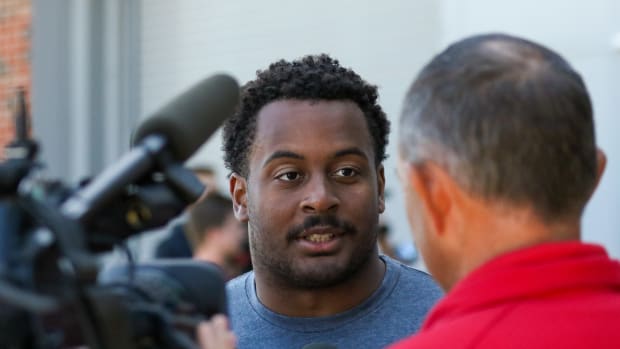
{"points": [[211, 212], [510, 121]]}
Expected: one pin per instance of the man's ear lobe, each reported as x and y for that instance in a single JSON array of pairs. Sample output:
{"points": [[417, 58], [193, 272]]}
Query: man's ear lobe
{"points": [[238, 191], [430, 182]]}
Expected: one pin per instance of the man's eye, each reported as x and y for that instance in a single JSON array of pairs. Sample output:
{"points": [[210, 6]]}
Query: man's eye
{"points": [[346, 172], [289, 176]]}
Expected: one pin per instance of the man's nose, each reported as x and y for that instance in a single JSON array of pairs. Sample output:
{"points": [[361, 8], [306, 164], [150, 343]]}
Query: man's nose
{"points": [[319, 196]]}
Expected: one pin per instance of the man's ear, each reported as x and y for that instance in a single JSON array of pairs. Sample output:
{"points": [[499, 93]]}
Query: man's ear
{"points": [[432, 185], [381, 188], [239, 193], [601, 164]]}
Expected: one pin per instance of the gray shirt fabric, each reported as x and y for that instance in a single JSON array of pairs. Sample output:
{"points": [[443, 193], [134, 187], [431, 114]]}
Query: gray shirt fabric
{"points": [[394, 311]]}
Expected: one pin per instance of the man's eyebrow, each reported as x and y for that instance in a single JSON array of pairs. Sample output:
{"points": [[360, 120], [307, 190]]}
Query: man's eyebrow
{"points": [[278, 154], [351, 151]]}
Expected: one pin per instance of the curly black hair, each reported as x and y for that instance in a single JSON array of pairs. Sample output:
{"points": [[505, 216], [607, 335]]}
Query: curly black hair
{"points": [[314, 77]]}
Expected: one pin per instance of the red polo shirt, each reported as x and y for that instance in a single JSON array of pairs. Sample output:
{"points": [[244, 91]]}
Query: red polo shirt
{"points": [[557, 295]]}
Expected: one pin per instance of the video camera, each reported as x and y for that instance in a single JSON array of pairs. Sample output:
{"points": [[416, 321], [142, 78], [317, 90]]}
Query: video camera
{"points": [[52, 293]]}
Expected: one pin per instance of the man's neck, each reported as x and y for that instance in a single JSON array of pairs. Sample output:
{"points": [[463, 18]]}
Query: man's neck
{"points": [[294, 301], [502, 234]]}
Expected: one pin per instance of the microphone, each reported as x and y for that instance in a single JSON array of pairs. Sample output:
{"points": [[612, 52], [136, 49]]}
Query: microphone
{"points": [[189, 119], [175, 131], [319, 346]]}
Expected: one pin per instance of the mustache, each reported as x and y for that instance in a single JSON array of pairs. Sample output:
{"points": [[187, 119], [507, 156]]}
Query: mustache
{"points": [[320, 221]]}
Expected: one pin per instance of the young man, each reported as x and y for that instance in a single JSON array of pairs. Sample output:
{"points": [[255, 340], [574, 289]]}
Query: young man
{"points": [[305, 150], [498, 159]]}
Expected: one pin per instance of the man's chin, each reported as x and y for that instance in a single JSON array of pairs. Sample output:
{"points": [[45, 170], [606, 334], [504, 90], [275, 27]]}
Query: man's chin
{"points": [[315, 281], [322, 274]]}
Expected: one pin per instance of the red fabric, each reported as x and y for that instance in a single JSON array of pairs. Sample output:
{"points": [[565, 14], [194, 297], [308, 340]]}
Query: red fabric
{"points": [[558, 295]]}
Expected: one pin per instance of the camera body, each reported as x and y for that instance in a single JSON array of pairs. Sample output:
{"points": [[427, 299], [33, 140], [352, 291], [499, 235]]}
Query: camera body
{"points": [[52, 291]]}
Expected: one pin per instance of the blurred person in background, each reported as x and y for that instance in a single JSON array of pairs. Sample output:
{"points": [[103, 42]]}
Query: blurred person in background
{"points": [[216, 236], [175, 243], [498, 159], [404, 252], [383, 239]]}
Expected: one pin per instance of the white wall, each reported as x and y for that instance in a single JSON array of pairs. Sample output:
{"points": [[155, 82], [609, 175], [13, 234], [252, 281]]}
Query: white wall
{"points": [[84, 83], [581, 31]]}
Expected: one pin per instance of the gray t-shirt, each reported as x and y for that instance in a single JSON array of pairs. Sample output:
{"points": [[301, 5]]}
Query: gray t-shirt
{"points": [[394, 311]]}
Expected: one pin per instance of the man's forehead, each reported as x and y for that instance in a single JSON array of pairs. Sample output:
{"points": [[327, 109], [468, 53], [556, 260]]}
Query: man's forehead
{"points": [[297, 127], [289, 107], [287, 114]]}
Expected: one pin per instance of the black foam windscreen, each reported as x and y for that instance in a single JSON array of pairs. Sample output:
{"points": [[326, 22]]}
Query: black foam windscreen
{"points": [[188, 120], [318, 346]]}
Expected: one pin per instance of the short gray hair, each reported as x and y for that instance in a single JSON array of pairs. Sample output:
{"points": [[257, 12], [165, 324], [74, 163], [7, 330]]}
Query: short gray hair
{"points": [[508, 119]]}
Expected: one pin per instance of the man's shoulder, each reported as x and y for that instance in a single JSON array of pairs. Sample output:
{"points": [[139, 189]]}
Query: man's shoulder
{"points": [[412, 278], [237, 294], [237, 285], [407, 296]]}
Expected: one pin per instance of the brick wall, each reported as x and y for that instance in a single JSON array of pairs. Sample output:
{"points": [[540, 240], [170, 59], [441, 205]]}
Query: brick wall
{"points": [[15, 24]]}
